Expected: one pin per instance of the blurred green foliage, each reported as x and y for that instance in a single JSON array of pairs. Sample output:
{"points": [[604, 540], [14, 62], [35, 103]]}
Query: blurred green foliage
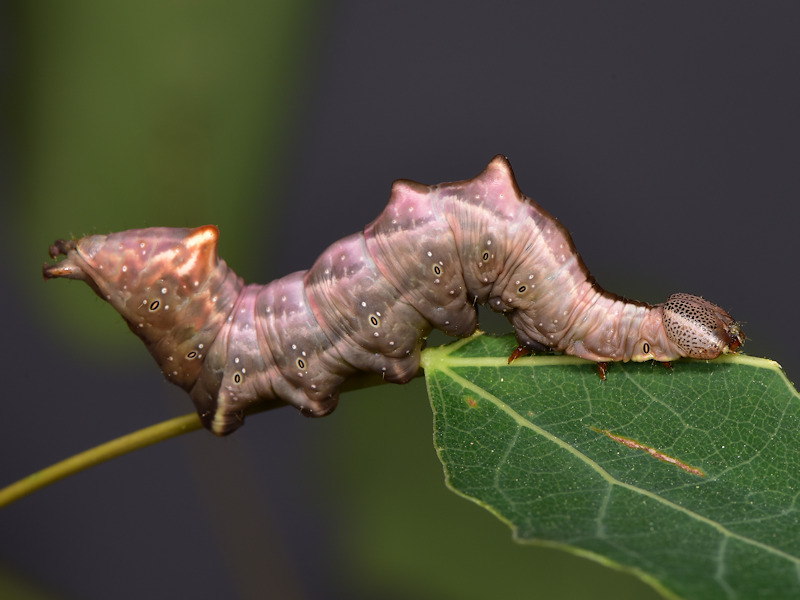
{"points": [[147, 114]]}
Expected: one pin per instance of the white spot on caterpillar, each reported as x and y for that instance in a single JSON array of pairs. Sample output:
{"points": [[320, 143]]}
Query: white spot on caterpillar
{"points": [[429, 253], [163, 290], [124, 268], [236, 360], [364, 304]]}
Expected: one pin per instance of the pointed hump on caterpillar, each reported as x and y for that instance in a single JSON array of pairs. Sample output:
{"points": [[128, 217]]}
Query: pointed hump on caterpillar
{"points": [[168, 284], [497, 182], [699, 328], [98, 259], [499, 173]]}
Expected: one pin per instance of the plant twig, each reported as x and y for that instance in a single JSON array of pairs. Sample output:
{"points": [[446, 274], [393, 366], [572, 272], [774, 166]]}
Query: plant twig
{"points": [[140, 439], [99, 454]]}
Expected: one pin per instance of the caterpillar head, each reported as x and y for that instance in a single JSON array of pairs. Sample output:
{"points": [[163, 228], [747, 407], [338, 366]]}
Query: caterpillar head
{"points": [[168, 285], [699, 328]]}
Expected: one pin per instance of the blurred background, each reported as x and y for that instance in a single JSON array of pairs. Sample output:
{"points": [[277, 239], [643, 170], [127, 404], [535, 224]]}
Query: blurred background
{"points": [[666, 137]]}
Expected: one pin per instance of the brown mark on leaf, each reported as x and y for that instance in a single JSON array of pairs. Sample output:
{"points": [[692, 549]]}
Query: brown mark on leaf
{"points": [[651, 451], [471, 401]]}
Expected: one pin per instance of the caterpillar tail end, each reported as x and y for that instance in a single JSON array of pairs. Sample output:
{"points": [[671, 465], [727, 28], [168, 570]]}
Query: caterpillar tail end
{"points": [[67, 267]]}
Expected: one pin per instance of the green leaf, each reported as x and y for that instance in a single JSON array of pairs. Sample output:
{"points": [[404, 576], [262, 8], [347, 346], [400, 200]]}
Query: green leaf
{"points": [[689, 478]]}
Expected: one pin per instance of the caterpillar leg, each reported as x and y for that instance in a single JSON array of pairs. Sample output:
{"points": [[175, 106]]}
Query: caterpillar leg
{"points": [[602, 369], [519, 352], [61, 247], [526, 348]]}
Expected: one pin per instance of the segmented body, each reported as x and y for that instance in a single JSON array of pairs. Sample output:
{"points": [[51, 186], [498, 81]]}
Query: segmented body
{"points": [[370, 300]]}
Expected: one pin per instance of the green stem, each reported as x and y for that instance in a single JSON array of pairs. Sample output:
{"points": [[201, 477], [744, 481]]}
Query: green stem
{"points": [[99, 454], [140, 439]]}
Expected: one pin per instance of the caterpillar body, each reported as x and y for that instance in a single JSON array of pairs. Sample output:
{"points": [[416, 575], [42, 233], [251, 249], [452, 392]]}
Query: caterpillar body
{"points": [[370, 299]]}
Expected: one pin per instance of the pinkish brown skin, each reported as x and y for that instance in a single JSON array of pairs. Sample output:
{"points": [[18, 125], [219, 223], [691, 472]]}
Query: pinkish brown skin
{"points": [[179, 315], [370, 300]]}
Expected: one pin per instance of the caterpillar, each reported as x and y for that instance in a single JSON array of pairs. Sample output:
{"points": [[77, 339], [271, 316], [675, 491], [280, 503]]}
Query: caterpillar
{"points": [[370, 299]]}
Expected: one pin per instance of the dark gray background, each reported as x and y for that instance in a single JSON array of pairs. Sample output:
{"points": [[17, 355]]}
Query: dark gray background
{"points": [[665, 136]]}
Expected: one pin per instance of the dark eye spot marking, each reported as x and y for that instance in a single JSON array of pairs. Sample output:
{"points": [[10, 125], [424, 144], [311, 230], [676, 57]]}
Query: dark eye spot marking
{"points": [[646, 348], [485, 256], [437, 270], [522, 289], [192, 354], [154, 305], [374, 321], [237, 378], [301, 363]]}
